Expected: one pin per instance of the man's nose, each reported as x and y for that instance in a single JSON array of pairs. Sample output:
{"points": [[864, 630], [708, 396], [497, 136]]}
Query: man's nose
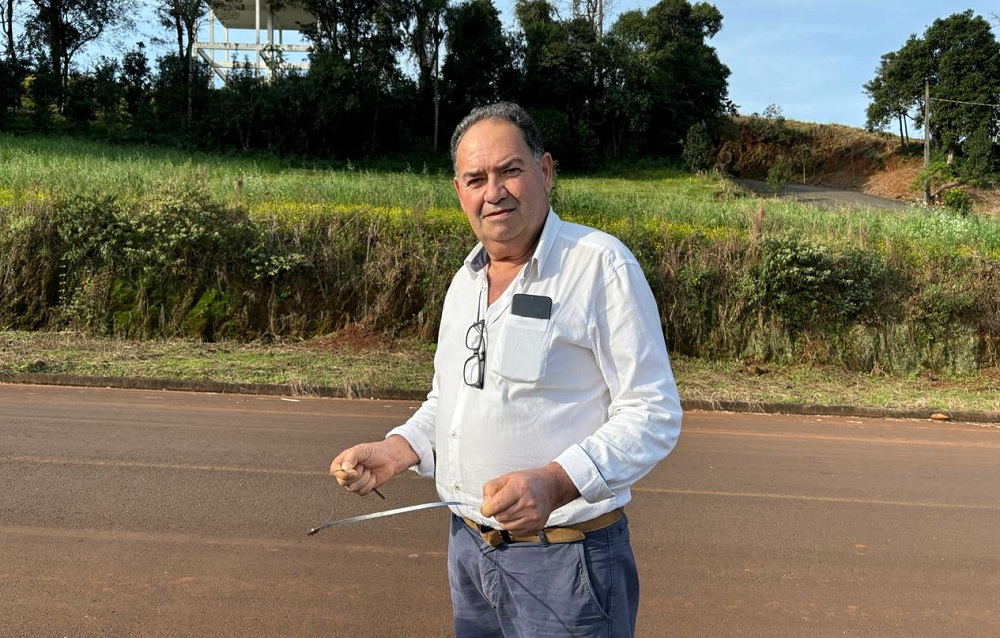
{"points": [[495, 190]]}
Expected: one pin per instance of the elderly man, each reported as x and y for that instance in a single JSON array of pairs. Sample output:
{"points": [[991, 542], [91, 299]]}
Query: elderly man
{"points": [[552, 395]]}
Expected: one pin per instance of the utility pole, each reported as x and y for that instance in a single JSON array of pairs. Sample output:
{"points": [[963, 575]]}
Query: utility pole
{"points": [[927, 141]]}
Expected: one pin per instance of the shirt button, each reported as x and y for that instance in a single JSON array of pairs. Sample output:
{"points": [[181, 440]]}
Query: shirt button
{"points": [[454, 434], [457, 487]]}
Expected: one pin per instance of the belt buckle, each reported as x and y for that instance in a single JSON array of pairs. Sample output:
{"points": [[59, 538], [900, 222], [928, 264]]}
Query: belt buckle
{"points": [[492, 537]]}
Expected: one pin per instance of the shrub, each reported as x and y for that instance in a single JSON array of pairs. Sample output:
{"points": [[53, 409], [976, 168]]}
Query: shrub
{"points": [[811, 287], [698, 148], [978, 163], [778, 176], [957, 200]]}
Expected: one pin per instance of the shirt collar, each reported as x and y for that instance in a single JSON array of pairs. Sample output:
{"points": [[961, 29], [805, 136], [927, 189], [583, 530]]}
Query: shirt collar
{"points": [[478, 258]]}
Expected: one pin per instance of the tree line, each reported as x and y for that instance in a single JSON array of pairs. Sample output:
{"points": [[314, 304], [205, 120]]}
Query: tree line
{"points": [[386, 77], [391, 78]]}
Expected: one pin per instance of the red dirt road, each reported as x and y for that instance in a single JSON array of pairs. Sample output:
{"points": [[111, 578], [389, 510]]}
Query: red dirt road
{"points": [[143, 513]]}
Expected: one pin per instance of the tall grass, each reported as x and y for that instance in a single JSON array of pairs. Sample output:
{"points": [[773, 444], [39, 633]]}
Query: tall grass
{"points": [[77, 166], [68, 165], [146, 242]]}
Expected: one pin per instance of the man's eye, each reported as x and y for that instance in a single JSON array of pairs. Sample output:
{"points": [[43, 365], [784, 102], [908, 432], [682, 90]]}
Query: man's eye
{"points": [[512, 171], [475, 181]]}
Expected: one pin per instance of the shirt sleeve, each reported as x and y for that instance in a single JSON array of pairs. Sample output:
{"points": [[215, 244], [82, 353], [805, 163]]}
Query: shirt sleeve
{"points": [[645, 411], [419, 432]]}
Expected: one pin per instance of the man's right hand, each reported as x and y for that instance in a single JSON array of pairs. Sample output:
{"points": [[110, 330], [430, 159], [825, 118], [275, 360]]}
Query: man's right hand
{"points": [[367, 466]]}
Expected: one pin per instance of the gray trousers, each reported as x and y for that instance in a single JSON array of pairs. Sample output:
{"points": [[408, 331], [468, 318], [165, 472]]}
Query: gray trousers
{"points": [[583, 589]]}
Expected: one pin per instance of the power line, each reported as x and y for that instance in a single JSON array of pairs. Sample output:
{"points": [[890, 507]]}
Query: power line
{"points": [[941, 99]]}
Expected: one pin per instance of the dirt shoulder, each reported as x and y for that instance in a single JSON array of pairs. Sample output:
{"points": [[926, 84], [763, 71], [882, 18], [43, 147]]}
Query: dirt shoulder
{"points": [[356, 364]]}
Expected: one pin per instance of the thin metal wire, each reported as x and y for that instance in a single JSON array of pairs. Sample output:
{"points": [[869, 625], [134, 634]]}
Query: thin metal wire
{"points": [[393, 512]]}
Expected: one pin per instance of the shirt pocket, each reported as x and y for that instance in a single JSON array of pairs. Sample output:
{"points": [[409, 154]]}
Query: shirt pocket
{"points": [[523, 348]]}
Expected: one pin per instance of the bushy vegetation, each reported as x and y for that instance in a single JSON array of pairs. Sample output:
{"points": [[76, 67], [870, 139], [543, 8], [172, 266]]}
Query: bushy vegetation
{"points": [[149, 247]]}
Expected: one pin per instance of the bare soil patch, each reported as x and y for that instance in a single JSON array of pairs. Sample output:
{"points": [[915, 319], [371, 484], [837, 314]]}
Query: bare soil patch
{"points": [[832, 159]]}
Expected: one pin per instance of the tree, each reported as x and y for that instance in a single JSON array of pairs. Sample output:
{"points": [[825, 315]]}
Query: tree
{"points": [[235, 110], [62, 28], [356, 43], [7, 26], [893, 88], [169, 94], [479, 67], [425, 36], [135, 81], [959, 58], [663, 77], [595, 12], [562, 64], [698, 148], [978, 161], [107, 91], [11, 76], [80, 101], [183, 17], [360, 31], [12, 70], [965, 68]]}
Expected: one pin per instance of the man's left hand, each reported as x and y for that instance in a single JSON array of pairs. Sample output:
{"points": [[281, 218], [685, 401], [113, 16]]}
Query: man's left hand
{"points": [[522, 501]]}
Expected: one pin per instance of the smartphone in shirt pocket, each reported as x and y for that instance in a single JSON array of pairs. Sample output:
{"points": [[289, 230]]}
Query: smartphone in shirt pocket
{"points": [[523, 345]]}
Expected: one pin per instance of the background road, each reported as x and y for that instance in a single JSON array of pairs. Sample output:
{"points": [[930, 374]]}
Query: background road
{"points": [[143, 513], [826, 197]]}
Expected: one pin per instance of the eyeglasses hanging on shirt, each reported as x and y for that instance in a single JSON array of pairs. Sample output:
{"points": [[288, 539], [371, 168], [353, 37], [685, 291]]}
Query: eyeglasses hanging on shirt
{"points": [[475, 365], [475, 340]]}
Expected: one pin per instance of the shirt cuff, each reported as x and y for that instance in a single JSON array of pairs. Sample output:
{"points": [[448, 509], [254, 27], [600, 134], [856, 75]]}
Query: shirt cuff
{"points": [[584, 474], [421, 446]]}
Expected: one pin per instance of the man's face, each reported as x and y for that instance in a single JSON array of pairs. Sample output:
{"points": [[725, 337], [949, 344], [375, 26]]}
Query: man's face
{"points": [[503, 190]]}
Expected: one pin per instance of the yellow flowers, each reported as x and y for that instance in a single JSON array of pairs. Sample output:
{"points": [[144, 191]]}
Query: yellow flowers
{"points": [[10, 197]]}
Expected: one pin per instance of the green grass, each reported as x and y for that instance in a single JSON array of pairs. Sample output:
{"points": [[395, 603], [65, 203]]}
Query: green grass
{"points": [[68, 165], [265, 186]]}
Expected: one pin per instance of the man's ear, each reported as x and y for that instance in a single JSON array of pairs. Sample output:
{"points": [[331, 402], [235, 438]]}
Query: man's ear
{"points": [[548, 171]]}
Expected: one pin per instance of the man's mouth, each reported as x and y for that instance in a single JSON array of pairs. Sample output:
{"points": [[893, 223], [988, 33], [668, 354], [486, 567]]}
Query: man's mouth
{"points": [[497, 213]]}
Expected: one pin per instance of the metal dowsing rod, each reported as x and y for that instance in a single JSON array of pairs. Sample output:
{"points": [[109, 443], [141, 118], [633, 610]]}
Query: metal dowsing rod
{"points": [[392, 512]]}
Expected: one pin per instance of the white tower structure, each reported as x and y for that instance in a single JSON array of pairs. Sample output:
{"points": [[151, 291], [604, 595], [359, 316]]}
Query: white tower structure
{"points": [[254, 33]]}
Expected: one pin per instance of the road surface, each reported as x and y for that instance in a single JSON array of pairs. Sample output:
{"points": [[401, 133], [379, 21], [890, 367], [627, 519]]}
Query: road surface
{"points": [[154, 514], [825, 197]]}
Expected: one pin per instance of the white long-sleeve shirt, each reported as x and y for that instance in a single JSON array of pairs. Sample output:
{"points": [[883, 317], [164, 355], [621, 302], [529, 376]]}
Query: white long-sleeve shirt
{"points": [[590, 388]]}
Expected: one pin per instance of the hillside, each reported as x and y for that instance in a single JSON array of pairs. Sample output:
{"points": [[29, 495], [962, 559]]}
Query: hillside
{"points": [[833, 156]]}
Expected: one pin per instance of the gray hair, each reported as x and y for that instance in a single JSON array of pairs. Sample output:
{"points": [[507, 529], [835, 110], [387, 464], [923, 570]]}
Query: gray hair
{"points": [[501, 112]]}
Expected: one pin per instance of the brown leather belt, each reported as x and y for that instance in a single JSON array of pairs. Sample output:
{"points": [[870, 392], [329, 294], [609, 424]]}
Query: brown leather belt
{"points": [[563, 534]]}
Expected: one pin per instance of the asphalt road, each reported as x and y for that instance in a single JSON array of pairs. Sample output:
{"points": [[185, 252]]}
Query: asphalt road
{"points": [[824, 197], [144, 513]]}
